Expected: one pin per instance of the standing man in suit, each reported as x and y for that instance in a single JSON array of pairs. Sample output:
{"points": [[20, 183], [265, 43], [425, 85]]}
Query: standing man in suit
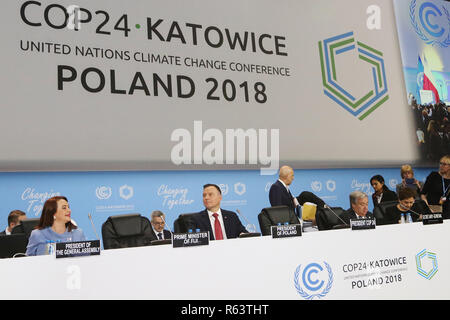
{"points": [[14, 219], [359, 207], [158, 221], [221, 224], [280, 195]]}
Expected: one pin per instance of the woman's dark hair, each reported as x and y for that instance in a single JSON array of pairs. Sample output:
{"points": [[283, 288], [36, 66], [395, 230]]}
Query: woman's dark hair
{"points": [[48, 211], [406, 193], [380, 179]]}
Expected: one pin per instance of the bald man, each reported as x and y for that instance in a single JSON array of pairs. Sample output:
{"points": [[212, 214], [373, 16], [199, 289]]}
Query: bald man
{"points": [[280, 195]]}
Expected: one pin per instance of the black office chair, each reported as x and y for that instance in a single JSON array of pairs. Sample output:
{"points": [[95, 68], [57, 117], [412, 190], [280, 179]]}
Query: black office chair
{"points": [[421, 207], [183, 223], [14, 245], [272, 216], [326, 218], [26, 226], [379, 211], [126, 230]]}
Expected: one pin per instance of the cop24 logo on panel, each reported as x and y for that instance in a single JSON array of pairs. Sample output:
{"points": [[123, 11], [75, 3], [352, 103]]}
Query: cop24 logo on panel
{"points": [[313, 280], [373, 97], [426, 264], [431, 21]]}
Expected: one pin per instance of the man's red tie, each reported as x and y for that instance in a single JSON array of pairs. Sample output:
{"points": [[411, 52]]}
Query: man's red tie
{"points": [[217, 227]]}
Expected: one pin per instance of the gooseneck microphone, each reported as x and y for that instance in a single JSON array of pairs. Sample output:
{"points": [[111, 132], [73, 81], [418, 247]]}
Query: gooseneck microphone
{"points": [[93, 227], [164, 220], [409, 210], [246, 220], [337, 216]]}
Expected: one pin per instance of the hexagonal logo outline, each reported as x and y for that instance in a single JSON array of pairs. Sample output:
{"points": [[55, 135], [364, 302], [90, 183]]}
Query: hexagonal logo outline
{"points": [[359, 107], [422, 272]]}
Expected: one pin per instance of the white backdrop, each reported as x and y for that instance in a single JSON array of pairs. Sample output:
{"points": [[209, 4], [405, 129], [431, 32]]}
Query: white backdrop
{"points": [[50, 124]]}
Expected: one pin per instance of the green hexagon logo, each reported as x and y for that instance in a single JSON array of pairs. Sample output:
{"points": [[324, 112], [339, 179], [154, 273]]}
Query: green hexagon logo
{"points": [[429, 271], [374, 97]]}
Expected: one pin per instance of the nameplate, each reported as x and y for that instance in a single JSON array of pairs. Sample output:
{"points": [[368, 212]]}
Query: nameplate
{"points": [[432, 218], [78, 249], [286, 231], [192, 239], [362, 224]]}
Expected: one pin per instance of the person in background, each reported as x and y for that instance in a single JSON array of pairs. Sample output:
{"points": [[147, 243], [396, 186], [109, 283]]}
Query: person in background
{"points": [[436, 189], [14, 219], [54, 225], [158, 221], [382, 192], [359, 207], [408, 180], [280, 195]]}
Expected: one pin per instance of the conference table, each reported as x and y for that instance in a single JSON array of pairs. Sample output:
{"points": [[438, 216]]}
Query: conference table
{"points": [[409, 261]]}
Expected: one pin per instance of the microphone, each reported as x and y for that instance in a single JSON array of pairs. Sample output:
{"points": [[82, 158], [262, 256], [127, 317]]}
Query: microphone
{"points": [[337, 216], [412, 211], [246, 220], [164, 220], [250, 232], [93, 227]]}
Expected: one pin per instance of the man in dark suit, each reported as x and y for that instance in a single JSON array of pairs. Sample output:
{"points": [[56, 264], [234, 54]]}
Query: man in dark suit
{"points": [[221, 224], [158, 221], [359, 207], [14, 218], [280, 195]]}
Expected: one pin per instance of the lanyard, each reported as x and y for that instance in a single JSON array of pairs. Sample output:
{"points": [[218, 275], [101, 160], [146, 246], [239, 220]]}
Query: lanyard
{"points": [[444, 189]]}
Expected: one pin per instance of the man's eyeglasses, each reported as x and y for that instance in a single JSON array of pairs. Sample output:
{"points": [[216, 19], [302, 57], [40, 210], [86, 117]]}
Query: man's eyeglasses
{"points": [[444, 164]]}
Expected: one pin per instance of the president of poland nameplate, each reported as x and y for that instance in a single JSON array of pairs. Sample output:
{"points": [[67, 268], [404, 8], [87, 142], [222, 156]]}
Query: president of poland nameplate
{"points": [[286, 231], [363, 224], [78, 249], [191, 239]]}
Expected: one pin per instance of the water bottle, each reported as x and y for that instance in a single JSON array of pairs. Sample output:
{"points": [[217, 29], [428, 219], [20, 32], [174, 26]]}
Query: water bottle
{"points": [[279, 224], [286, 223], [50, 247], [402, 218], [300, 218], [409, 218], [190, 231], [197, 230]]}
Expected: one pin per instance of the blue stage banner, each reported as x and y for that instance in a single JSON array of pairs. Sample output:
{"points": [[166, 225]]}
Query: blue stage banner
{"points": [[103, 194]]}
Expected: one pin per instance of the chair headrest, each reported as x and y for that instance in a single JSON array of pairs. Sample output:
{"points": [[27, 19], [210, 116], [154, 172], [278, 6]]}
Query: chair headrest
{"points": [[26, 226], [278, 214], [127, 224], [276, 209]]}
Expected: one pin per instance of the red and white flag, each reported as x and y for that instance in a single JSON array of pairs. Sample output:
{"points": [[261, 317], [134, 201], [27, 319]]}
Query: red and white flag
{"points": [[429, 81]]}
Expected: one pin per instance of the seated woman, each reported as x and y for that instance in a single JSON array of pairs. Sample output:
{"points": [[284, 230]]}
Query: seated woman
{"points": [[408, 180], [382, 192], [436, 190], [406, 202], [54, 225]]}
